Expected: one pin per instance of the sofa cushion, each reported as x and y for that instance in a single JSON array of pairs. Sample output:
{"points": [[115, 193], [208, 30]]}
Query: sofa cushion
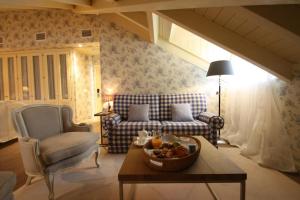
{"points": [[182, 112], [197, 101], [122, 102], [123, 134], [131, 128], [186, 128], [138, 113], [66, 145], [7, 184]]}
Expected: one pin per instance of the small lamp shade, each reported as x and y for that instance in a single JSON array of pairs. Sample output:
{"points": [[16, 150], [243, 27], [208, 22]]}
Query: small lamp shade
{"points": [[220, 67], [107, 98]]}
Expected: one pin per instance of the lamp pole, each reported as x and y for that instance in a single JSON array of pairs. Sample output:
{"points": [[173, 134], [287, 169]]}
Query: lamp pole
{"points": [[219, 95]]}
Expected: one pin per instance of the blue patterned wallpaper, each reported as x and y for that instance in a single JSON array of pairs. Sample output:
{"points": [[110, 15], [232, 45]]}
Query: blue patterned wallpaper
{"points": [[130, 65]]}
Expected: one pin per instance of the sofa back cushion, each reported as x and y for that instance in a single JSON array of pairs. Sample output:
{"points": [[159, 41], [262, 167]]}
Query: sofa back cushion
{"points": [[122, 102], [197, 102]]}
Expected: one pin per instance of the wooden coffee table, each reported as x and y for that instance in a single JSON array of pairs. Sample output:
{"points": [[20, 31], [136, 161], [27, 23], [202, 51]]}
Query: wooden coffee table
{"points": [[211, 167]]}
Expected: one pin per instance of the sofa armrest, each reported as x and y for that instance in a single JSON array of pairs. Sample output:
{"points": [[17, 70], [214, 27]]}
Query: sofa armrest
{"points": [[30, 152], [111, 121], [214, 121]]}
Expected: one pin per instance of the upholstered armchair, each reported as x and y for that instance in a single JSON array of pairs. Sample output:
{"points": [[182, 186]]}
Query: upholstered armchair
{"points": [[50, 141]]}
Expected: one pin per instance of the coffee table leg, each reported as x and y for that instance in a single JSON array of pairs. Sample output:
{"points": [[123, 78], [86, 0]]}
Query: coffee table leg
{"points": [[120, 190], [212, 192], [243, 190]]}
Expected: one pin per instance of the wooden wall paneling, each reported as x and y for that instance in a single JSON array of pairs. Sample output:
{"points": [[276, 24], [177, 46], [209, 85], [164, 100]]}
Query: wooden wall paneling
{"points": [[105, 6], [225, 16], [10, 83], [50, 90], [200, 11], [257, 33], [27, 74], [212, 13], [245, 27], [39, 79], [2, 86], [236, 21], [64, 100]]}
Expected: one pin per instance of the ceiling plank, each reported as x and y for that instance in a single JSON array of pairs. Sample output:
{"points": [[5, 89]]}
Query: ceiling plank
{"points": [[105, 6], [286, 16], [271, 25], [86, 3], [127, 25], [34, 4], [230, 41]]}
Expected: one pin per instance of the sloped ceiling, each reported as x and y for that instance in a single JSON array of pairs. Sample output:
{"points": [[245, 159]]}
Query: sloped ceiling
{"points": [[267, 33]]}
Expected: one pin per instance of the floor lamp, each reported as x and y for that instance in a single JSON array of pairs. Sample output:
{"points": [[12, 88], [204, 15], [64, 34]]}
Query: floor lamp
{"points": [[220, 68]]}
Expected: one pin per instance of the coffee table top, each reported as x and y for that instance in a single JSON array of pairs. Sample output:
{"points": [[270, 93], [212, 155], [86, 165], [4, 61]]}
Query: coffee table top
{"points": [[211, 166]]}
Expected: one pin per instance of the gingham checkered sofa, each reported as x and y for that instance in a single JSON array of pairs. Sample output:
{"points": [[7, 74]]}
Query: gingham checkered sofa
{"points": [[121, 132]]}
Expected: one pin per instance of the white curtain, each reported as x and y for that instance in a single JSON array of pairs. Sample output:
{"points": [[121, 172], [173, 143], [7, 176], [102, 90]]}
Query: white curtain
{"points": [[253, 118]]}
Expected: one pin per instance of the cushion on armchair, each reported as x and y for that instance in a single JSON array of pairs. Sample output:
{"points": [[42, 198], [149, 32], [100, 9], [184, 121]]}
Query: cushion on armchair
{"points": [[7, 184], [66, 145]]}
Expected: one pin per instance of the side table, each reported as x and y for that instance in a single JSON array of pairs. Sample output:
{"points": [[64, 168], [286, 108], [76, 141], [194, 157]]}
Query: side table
{"points": [[101, 115]]}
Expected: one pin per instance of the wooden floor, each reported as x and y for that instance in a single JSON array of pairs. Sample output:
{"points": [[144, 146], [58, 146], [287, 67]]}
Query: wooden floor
{"points": [[10, 160]]}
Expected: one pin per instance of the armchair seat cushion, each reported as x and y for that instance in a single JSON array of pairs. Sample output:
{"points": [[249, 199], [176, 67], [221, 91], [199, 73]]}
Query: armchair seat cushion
{"points": [[186, 128], [7, 184], [66, 145]]}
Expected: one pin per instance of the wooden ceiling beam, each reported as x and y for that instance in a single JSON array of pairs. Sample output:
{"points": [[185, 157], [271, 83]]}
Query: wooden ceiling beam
{"points": [[127, 25], [113, 6], [84, 3], [34, 4], [139, 18], [230, 41]]}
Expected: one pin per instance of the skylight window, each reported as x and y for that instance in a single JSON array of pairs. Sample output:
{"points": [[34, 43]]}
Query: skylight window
{"points": [[209, 52], [197, 45]]}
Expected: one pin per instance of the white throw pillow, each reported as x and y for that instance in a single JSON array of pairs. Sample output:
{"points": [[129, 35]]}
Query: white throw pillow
{"points": [[182, 112], [138, 113]]}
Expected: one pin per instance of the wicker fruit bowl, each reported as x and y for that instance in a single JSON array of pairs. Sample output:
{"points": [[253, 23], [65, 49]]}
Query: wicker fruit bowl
{"points": [[174, 154]]}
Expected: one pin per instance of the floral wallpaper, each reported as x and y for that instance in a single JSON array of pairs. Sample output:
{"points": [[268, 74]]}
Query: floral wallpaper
{"points": [[63, 28], [130, 65]]}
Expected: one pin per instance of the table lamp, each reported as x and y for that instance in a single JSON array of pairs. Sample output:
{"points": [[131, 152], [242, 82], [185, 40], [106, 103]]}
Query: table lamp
{"points": [[107, 98]]}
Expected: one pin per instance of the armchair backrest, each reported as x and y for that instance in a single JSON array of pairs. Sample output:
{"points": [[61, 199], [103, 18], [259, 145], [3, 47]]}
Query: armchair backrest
{"points": [[38, 121], [122, 102], [197, 101]]}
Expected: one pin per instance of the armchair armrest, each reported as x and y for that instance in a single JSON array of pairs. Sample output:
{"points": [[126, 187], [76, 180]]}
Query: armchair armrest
{"points": [[82, 127], [214, 121], [112, 120], [69, 125], [30, 153]]}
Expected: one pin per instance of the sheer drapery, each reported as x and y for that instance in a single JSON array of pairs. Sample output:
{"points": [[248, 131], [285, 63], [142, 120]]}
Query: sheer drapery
{"points": [[253, 118]]}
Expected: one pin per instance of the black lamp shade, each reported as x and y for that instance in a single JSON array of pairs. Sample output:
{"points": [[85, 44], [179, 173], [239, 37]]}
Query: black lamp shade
{"points": [[220, 67]]}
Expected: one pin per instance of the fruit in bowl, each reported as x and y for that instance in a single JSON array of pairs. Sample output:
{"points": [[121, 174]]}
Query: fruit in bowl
{"points": [[169, 150], [156, 142]]}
